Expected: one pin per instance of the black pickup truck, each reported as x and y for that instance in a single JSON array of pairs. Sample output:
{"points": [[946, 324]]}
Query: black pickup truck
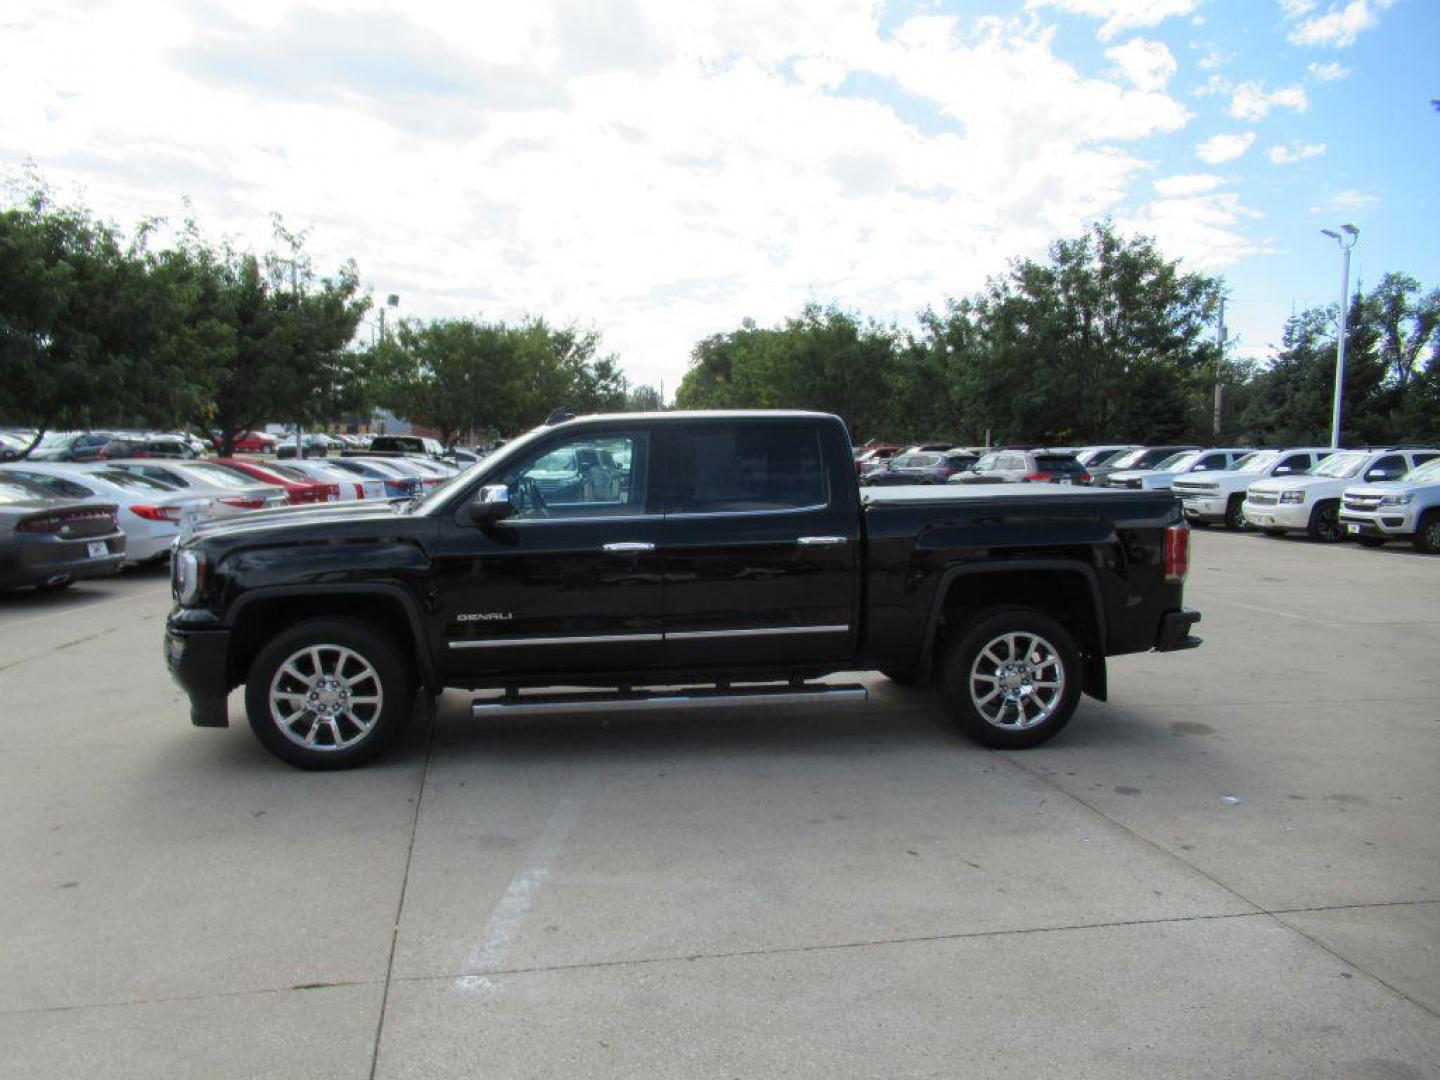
{"points": [[701, 559]]}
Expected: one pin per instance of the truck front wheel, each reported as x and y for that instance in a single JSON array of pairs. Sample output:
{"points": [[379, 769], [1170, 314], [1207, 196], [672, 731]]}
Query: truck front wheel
{"points": [[328, 694], [1012, 678]]}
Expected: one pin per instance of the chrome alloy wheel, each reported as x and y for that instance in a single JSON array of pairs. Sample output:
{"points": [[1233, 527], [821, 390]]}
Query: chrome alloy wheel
{"points": [[1017, 681], [325, 697]]}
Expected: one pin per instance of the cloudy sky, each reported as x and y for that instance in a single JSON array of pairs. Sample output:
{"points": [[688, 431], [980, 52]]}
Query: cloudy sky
{"points": [[662, 169]]}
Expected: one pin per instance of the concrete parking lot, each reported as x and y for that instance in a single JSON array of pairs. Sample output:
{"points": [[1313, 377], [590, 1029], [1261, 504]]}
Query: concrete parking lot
{"points": [[1230, 870]]}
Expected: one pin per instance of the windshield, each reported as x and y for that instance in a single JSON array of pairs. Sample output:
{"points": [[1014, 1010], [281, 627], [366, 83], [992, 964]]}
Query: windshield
{"points": [[1176, 462], [223, 477], [916, 461], [1429, 471], [437, 496], [1257, 462], [1341, 466], [1128, 460]]}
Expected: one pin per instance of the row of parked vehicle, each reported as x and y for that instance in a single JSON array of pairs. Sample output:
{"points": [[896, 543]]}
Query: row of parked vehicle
{"points": [[1372, 495], [65, 520]]}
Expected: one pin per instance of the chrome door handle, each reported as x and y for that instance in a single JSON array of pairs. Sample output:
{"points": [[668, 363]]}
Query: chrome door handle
{"points": [[628, 547], [820, 541]]}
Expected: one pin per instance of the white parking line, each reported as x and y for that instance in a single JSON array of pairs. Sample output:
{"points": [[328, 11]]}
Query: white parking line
{"points": [[515, 903], [1278, 614], [83, 608]]}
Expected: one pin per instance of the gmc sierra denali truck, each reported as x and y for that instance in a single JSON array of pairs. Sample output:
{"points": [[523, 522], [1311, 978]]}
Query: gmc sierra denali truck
{"points": [[697, 560]]}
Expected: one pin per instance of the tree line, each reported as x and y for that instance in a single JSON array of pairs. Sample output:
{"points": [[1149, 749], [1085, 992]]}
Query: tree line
{"points": [[1102, 340], [100, 328]]}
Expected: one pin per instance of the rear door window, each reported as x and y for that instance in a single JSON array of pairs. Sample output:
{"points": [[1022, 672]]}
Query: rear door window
{"points": [[746, 468]]}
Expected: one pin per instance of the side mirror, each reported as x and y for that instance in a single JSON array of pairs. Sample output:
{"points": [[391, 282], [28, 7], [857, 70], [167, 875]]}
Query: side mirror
{"points": [[492, 505], [1380, 474]]}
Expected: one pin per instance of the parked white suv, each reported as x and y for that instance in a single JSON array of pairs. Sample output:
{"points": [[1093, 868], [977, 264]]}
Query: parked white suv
{"points": [[1397, 509], [1160, 476], [1220, 496], [1312, 502]]}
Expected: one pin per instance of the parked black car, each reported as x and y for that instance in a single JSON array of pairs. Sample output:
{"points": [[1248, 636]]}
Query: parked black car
{"points": [[48, 542], [733, 555]]}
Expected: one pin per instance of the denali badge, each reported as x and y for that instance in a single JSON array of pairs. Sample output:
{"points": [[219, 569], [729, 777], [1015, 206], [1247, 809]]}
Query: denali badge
{"points": [[485, 616]]}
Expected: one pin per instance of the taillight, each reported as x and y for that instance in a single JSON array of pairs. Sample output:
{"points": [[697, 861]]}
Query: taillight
{"points": [[55, 524], [1177, 553], [359, 490], [332, 492], [156, 513], [244, 504], [1084, 478], [1039, 478]]}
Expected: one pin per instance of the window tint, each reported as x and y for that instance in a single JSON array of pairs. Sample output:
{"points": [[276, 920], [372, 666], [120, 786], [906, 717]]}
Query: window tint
{"points": [[1213, 461], [747, 467], [987, 463], [589, 476], [1298, 462], [131, 482], [1057, 463], [1420, 459]]}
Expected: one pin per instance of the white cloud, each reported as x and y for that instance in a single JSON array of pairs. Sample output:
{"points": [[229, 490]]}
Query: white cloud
{"points": [[1294, 9], [1188, 184], [1214, 59], [1296, 151], [1224, 147], [1330, 71], [1251, 102], [1340, 25], [1207, 231], [1148, 65], [1120, 15], [1353, 199], [659, 174]]}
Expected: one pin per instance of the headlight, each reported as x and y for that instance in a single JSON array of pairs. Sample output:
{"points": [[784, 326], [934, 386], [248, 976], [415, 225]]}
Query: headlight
{"points": [[185, 577], [1292, 496], [1397, 500]]}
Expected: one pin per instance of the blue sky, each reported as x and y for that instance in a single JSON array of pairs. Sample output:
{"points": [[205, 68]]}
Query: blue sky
{"points": [[661, 170]]}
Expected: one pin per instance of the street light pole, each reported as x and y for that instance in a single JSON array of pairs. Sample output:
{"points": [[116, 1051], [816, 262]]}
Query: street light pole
{"points": [[1346, 241]]}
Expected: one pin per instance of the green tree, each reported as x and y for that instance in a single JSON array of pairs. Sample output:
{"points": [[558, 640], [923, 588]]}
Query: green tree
{"points": [[92, 325]]}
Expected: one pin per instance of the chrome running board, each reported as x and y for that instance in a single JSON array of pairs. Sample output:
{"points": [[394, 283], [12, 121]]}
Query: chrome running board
{"points": [[785, 694]]}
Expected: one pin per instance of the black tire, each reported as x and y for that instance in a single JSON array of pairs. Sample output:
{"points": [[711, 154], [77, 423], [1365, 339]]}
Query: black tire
{"points": [[904, 678], [1235, 514], [967, 665], [1273, 532], [353, 732], [1427, 534], [55, 586], [1324, 524], [1370, 541]]}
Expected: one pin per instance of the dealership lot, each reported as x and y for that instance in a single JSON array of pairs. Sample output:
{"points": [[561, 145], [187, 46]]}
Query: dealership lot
{"points": [[1231, 869]]}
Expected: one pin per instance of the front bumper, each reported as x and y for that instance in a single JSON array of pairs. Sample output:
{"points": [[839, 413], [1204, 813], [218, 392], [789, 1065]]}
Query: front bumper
{"points": [[199, 662], [1384, 524], [1278, 516], [1203, 507], [1175, 633]]}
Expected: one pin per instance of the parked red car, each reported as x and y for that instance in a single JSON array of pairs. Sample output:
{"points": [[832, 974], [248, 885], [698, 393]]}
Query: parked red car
{"points": [[250, 442], [297, 491]]}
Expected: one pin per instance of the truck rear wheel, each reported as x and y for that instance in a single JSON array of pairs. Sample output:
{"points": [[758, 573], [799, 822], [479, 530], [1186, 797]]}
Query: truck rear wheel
{"points": [[1012, 678], [328, 694]]}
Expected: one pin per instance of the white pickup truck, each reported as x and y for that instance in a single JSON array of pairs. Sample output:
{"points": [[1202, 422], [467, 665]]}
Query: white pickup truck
{"points": [[1220, 496], [1397, 510], [1312, 502]]}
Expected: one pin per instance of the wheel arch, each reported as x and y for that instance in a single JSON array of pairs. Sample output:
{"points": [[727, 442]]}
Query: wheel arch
{"points": [[257, 616], [1067, 591]]}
